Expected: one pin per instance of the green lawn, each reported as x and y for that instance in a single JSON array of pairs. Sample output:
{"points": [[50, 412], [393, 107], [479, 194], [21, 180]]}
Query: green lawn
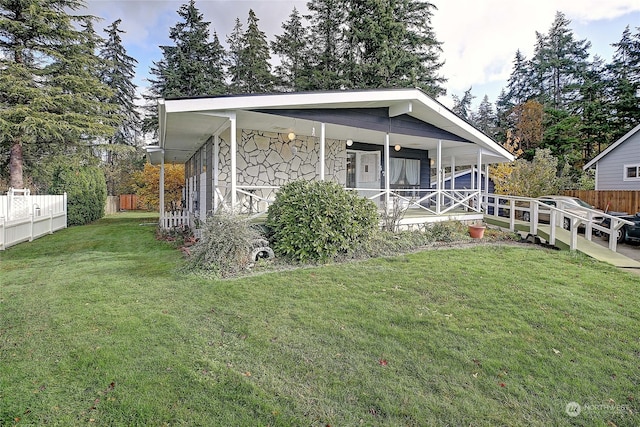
{"points": [[98, 327]]}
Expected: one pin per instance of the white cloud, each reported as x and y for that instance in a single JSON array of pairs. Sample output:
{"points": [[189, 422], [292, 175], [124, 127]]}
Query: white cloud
{"points": [[481, 37]]}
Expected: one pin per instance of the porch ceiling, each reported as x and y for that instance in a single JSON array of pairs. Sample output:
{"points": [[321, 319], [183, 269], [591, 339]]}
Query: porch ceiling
{"points": [[187, 123]]}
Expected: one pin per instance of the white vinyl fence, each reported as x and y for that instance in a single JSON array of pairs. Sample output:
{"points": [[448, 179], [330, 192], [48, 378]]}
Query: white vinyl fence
{"points": [[25, 217]]}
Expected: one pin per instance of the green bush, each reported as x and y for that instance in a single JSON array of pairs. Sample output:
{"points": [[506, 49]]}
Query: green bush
{"points": [[225, 246], [315, 221], [86, 192]]}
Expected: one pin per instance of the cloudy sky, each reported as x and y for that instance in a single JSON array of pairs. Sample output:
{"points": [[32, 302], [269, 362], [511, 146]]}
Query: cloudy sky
{"points": [[480, 37]]}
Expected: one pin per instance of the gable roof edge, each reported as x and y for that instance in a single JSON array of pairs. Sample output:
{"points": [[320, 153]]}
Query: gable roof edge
{"points": [[611, 148]]}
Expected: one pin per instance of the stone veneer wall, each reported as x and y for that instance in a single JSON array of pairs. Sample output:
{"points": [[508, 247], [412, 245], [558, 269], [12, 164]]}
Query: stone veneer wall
{"points": [[267, 159]]}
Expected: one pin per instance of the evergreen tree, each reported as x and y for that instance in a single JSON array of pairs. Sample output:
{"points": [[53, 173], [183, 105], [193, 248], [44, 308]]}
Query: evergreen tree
{"points": [[561, 61], [233, 59], [485, 118], [291, 46], [118, 73], [49, 90], [462, 106], [519, 82], [624, 83], [503, 116], [255, 69], [373, 37], [327, 17], [421, 42], [593, 109], [391, 44], [193, 66]]}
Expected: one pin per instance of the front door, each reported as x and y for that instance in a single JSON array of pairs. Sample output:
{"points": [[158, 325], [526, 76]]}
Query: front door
{"points": [[363, 171]]}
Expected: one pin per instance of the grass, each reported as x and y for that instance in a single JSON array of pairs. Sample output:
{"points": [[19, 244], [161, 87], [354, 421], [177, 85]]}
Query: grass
{"points": [[97, 327]]}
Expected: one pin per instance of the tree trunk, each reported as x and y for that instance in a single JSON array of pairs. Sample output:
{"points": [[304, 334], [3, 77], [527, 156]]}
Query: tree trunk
{"points": [[15, 166]]}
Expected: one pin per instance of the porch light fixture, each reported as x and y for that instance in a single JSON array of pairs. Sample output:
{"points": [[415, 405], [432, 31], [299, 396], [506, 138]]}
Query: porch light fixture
{"points": [[349, 142], [397, 147], [291, 136]]}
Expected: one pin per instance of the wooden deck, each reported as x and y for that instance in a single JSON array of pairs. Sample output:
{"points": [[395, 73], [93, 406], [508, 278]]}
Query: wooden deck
{"points": [[563, 238]]}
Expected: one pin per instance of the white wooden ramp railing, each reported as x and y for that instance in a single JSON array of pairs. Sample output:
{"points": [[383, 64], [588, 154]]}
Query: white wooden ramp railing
{"points": [[522, 214]]}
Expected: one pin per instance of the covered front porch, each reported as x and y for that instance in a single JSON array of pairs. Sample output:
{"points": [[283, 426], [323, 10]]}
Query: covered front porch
{"points": [[390, 146]]}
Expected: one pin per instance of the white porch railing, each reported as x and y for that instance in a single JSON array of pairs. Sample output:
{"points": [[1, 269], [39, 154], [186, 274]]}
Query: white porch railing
{"points": [[25, 217], [517, 208], [255, 200]]}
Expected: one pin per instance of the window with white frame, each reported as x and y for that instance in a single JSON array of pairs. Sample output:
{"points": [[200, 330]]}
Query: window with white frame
{"points": [[632, 172], [404, 173]]}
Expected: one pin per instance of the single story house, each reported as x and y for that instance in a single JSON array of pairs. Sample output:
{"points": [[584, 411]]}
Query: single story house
{"points": [[384, 143], [618, 167]]}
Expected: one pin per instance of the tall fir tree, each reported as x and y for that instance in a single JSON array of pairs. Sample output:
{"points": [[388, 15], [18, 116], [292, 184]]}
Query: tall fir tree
{"points": [[193, 66], [372, 57], [624, 83], [561, 61], [233, 58], [462, 106], [595, 127], [255, 69], [291, 46], [391, 44], [118, 72], [420, 40], [327, 19], [519, 82], [50, 93], [485, 118]]}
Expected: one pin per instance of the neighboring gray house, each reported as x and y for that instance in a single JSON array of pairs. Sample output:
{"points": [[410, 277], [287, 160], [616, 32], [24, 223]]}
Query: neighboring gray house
{"points": [[618, 167]]}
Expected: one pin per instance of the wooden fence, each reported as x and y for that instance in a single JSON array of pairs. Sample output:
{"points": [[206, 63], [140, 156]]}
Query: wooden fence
{"points": [[129, 202], [609, 200]]}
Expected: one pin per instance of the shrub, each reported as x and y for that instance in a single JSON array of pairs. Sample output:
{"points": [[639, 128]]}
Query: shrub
{"points": [[315, 221], [86, 192], [225, 246]]}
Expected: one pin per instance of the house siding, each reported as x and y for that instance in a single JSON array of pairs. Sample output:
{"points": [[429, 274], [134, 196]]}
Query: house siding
{"points": [[611, 167], [405, 153], [464, 182]]}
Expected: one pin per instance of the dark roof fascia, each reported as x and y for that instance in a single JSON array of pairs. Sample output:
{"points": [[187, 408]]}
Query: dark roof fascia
{"points": [[376, 119]]}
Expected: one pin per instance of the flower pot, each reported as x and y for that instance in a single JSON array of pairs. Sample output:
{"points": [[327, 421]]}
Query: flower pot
{"points": [[476, 231]]}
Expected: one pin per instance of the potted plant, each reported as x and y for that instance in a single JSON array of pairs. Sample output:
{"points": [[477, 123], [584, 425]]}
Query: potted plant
{"points": [[476, 230]]}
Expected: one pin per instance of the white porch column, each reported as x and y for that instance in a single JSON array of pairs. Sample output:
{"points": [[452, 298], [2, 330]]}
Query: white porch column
{"points": [[439, 177], [486, 180], [453, 173], [387, 186], [322, 145], [479, 197], [473, 177], [234, 166], [216, 171], [162, 192]]}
